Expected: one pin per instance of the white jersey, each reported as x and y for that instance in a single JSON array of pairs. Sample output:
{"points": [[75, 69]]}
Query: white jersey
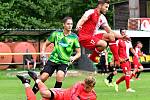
{"points": [[128, 47]]}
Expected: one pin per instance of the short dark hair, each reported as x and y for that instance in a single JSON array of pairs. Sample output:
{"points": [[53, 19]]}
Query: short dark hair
{"points": [[66, 18], [138, 42], [103, 1]]}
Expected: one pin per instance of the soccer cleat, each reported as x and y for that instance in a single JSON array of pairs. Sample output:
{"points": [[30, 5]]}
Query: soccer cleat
{"points": [[93, 58], [33, 75], [23, 79], [106, 82], [130, 90], [116, 87]]}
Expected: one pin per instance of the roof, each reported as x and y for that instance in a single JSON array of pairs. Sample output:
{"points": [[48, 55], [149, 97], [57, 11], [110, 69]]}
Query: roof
{"points": [[116, 3], [26, 32]]}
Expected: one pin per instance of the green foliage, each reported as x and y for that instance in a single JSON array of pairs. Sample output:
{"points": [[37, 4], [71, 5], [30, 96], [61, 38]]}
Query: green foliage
{"points": [[34, 14]]}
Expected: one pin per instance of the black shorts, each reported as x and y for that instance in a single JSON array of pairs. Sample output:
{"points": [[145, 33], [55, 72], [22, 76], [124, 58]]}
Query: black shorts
{"points": [[50, 67], [52, 95]]}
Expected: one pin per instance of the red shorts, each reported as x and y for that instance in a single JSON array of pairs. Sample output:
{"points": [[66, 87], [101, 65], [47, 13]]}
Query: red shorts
{"points": [[136, 62], [126, 66], [91, 41]]}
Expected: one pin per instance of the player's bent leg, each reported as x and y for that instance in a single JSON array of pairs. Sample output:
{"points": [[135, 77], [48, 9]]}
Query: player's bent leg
{"points": [[29, 93], [45, 93], [100, 46], [59, 78], [42, 77]]}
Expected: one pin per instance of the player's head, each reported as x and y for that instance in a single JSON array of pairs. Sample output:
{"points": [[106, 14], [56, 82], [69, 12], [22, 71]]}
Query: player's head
{"points": [[122, 31], [139, 44], [68, 23], [103, 5], [90, 82]]}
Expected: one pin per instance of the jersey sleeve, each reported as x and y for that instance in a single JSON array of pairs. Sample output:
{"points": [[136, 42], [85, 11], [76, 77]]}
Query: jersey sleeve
{"points": [[88, 13], [130, 45], [51, 38], [76, 43], [104, 21], [117, 42]]}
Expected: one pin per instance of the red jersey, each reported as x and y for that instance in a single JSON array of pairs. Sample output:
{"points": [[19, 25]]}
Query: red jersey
{"points": [[138, 51], [91, 26], [122, 48], [77, 92]]}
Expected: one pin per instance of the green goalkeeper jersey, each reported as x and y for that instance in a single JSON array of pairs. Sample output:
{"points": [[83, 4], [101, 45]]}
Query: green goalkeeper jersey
{"points": [[63, 46], [110, 55]]}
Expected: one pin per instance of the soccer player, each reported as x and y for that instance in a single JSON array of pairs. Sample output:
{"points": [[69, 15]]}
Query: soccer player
{"points": [[90, 38], [136, 60], [111, 67], [123, 50], [64, 44], [80, 91]]}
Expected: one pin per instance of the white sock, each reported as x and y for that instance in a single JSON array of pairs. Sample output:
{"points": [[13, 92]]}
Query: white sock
{"points": [[26, 85], [37, 81]]}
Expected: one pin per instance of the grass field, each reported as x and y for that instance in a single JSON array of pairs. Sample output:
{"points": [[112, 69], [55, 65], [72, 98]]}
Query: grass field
{"points": [[12, 89]]}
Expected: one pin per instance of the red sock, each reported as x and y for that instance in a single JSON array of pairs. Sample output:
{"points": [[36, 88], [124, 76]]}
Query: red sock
{"points": [[114, 50], [127, 79], [122, 78], [30, 94]]}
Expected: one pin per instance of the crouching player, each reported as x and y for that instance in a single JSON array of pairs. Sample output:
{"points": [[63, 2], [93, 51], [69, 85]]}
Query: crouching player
{"points": [[80, 91]]}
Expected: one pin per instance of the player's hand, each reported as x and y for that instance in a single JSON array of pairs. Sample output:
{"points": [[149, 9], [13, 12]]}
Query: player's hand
{"points": [[72, 59], [126, 37], [78, 28], [43, 55]]}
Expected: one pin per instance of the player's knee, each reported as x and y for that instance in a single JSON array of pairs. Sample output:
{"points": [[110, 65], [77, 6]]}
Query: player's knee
{"points": [[111, 37], [101, 44], [44, 76], [45, 94], [60, 75]]}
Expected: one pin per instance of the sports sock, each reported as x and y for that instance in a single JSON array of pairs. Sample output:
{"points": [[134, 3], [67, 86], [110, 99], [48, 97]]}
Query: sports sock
{"points": [[110, 77], [35, 88], [114, 50], [58, 84], [138, 74], [127, 80], [122, 78]]}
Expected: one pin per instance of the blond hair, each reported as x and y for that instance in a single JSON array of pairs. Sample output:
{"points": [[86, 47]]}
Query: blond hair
{"points": [[90, 80]]}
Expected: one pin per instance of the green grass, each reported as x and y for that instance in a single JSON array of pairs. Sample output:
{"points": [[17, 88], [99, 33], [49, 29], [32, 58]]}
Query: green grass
{"points": [[12, 89]]}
